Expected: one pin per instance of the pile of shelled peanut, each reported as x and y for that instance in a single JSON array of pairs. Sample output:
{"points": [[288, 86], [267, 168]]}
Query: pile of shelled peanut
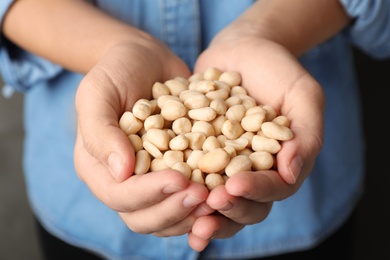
{"points": [[206, 126]]}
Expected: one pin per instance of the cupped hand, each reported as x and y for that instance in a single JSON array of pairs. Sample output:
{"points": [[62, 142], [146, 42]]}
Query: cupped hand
{"points": [[273, 76], [163, 203]]}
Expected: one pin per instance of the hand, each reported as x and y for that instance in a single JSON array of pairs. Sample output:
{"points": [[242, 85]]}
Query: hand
{"points": [[162, 203], [273, 76]]}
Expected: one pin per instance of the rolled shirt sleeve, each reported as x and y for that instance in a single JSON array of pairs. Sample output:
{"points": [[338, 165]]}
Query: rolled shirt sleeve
{"points": [[20, 69], [4, 6], [370, 30]]}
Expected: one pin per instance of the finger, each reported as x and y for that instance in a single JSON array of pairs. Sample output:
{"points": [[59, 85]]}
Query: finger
{"points": [[180, 228], [238, 209], [260, 186], [184, 226], [196, 243], [212, 226], [297, 156], [139, 191], [169, 214], [202, 210]]}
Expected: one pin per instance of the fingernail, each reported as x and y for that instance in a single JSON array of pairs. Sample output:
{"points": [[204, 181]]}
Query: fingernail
{"points": [[171, 189], [295, 167], [227, 206], [115, 163], [191, 201], [203, 210]]}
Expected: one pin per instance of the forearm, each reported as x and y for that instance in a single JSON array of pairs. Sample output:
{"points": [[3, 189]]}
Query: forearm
{"points": [[71, 33], [297, 25]]}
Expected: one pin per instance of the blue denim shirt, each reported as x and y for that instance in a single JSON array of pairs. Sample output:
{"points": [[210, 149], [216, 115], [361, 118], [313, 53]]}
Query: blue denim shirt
{"points": [[69, 210]]}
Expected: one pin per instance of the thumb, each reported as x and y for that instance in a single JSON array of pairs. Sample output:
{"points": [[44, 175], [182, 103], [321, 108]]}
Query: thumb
{"points": [[100, 136]]}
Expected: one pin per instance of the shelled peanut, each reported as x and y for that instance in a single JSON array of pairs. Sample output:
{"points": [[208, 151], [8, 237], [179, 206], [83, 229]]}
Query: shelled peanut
{"points": [[206, 126]]}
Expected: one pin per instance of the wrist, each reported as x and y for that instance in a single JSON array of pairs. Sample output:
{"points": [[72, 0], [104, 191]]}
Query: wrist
{"points": [[297, 25]]}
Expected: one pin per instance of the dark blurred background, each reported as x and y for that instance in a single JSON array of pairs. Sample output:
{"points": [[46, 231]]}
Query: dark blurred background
{"points": [[17, 234], [373, 239]]}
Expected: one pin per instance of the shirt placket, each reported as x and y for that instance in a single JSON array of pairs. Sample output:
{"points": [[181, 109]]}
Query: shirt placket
{"points": [[180, 28]]}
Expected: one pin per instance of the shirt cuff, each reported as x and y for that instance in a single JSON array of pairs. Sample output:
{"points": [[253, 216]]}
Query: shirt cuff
{"points": [[4, 7], [370, 30]]}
